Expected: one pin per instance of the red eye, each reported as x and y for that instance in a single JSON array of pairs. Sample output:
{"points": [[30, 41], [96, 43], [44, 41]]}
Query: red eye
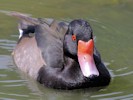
{"points": [[73, 37]]}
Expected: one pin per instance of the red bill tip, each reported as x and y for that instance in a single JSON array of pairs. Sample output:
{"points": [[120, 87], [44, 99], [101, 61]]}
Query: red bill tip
{"points": [[86, 47]]}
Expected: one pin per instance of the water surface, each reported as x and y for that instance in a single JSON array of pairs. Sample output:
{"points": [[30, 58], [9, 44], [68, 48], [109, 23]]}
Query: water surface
{"points": [[111, 21]]}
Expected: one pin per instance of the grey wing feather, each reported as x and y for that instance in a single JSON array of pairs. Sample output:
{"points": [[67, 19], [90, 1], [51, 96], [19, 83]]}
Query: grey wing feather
{"points": [[27, 18]]}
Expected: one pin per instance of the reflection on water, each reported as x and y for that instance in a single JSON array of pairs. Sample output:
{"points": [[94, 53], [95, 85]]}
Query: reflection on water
{"points": [[7, 44], [4, 61], [112, 24]]}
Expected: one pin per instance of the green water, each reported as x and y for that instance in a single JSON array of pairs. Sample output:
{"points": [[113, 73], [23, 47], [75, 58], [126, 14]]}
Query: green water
{"points": [[111, 21]]}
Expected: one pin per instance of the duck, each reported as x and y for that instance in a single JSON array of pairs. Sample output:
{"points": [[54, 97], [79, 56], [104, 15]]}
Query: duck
{"points": [[59, 54]]}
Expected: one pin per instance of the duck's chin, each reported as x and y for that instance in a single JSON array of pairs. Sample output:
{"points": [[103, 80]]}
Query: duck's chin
{"points": [[85, 58]]}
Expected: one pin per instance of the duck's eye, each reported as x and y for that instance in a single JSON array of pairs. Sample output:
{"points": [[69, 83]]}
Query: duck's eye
{"points": [[73, 37]]}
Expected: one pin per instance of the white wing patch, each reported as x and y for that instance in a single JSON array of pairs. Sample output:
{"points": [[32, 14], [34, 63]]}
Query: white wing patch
{"points": [[20, 33]]}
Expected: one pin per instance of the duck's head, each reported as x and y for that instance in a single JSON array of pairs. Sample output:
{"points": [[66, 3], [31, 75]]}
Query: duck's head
{"points": [[79, 45]]}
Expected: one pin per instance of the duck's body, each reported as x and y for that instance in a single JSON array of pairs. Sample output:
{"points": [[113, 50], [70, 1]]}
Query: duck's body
{"points": [[28, 52], [54, 58]]}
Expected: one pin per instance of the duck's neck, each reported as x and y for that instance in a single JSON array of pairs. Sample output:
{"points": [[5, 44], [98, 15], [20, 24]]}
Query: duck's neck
{"points": [[68, 55], [67, 51]]}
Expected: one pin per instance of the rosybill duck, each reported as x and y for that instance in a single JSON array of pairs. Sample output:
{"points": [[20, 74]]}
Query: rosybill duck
{"points": [[58, 54]]}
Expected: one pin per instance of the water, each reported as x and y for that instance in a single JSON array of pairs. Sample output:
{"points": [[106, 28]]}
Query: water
{"points": [[112, 24]]}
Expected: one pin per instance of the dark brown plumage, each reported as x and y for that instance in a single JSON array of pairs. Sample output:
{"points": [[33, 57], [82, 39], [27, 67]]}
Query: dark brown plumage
{"points": [[59, 54]]}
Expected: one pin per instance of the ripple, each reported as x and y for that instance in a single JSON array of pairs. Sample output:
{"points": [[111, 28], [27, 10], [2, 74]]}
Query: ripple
{"points": [[14, 85], [5, 61], [11, 81], [124, 74], [3, 75], [108, 94], [121, 69], [114, 96], [20, 95], [7, 44], [123, 97], [6, 99], [106, 63]]}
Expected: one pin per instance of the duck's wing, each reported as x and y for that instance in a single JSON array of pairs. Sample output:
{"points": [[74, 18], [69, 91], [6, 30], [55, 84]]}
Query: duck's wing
{"points": [[58, 26], [25, 20], [29, 50], [21, 16]]}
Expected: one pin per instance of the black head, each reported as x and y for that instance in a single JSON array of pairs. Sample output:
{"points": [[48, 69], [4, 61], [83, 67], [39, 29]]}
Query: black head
{"points": [[77, 30], [79, 45]]}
